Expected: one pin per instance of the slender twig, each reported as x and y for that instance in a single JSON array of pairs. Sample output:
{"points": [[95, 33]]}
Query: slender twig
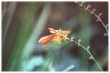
{"points": [[87, 49]]}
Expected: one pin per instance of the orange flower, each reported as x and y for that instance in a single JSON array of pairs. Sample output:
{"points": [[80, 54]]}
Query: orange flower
{"points": [[55, 36]]}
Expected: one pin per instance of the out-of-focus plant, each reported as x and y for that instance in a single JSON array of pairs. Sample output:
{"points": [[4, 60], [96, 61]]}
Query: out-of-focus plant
{"points": [[30, 47]]}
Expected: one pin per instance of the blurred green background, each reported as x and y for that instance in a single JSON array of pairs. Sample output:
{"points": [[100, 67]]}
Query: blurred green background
{"points": [[24, 23]]}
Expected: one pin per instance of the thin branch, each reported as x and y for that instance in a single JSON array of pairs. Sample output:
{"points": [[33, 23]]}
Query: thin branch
{"points": [[87, 49]]}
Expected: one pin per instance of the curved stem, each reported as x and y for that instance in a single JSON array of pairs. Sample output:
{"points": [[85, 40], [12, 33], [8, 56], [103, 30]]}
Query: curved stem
{"points": [[88, 51]]}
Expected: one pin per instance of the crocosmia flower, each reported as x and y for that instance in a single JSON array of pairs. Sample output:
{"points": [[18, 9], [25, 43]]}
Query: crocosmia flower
{"points": [[56, 36]]}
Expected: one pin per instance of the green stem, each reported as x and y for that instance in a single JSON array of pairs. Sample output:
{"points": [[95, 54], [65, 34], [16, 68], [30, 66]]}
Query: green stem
{"points": [[90, 54]]}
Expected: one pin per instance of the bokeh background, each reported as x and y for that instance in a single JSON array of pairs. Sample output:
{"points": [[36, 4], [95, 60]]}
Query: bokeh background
{"points": [[24, 23]]}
